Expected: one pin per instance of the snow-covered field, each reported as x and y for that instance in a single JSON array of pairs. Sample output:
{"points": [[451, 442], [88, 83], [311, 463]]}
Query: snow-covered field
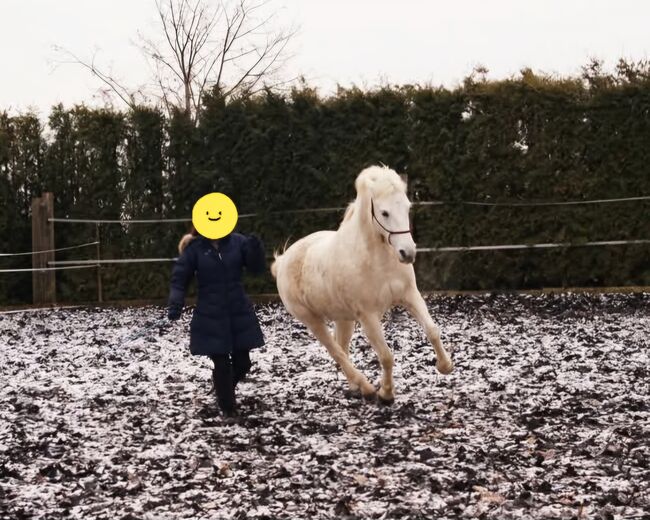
{"points": [[545, 416]]}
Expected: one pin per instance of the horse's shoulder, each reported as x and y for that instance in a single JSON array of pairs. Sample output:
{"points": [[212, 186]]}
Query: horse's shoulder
{"points": [[313, 238], [320, 234]]}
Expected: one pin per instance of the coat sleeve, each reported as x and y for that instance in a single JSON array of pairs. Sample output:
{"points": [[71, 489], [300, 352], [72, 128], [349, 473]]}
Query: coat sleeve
{"points": [[254, 255], [182, 274]]}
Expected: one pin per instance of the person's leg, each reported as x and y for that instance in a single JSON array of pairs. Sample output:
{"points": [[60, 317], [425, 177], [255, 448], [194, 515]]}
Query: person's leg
{"points": [[222, 377], [241, 363]]}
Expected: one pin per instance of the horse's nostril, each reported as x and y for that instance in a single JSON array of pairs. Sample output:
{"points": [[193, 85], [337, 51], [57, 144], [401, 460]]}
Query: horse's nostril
{"points": [[406, 257]]}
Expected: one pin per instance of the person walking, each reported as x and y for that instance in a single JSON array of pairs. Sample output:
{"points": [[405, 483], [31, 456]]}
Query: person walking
{"points": [[224, 326]]}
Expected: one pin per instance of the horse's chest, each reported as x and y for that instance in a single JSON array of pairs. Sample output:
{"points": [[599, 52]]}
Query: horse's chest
{"points": [[390, 292], [378, 290]]}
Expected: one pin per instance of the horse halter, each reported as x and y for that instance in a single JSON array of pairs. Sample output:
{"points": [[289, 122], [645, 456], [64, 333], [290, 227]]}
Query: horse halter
{"points": [[372, 210]]}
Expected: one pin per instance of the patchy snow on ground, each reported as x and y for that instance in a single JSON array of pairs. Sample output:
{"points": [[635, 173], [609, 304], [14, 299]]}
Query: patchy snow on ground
{"points": [[106, 415]]}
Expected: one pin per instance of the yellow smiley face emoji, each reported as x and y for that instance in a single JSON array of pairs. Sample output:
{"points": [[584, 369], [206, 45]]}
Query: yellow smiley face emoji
{"points": [[214, 215]]}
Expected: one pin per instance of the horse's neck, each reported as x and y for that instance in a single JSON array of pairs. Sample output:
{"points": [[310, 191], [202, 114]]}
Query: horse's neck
{"points": [[360, 230]]}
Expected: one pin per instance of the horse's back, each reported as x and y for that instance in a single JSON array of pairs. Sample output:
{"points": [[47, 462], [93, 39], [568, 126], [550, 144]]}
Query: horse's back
{"points": [[289, 266], [298, 250]]}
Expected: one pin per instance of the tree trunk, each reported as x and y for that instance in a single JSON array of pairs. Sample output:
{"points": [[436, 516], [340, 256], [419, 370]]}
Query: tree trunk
{"points": [[188, 99]]}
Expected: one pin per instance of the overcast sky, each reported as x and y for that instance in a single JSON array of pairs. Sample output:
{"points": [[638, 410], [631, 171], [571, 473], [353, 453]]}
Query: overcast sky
{"points": [[345, 42]]}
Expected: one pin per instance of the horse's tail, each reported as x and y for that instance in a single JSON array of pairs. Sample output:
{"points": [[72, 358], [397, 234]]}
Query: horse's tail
{"points": [[277, 256], [274, 268]]}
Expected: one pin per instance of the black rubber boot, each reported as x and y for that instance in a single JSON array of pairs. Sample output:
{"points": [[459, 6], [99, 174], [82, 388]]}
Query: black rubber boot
{"points": [[224, 387], [241, 365]]}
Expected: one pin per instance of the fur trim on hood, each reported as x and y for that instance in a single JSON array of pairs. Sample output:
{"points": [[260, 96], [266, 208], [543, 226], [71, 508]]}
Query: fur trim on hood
{"points": [[185, 241]]}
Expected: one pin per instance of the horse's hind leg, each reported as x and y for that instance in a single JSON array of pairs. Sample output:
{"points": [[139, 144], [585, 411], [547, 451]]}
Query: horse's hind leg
{"points": [[418, 308], [355, 378], [372, 327], [343, 334]]}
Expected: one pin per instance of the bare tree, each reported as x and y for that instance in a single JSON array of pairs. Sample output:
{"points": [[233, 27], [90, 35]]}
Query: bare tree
{"points": [[225, 46], [110, 85]]}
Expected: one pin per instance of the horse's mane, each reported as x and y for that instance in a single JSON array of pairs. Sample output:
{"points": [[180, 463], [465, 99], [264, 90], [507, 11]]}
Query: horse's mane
{"points": [[349, 211], [383, 180]]}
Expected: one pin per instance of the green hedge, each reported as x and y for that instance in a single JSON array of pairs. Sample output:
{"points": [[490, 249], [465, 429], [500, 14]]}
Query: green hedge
{"points": [[526, 139]]}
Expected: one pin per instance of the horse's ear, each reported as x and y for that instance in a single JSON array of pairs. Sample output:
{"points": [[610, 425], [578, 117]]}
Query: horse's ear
{"points": [[364, 182], [359, 184]]}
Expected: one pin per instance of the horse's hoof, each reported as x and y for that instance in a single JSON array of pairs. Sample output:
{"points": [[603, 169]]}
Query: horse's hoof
{"points": [[385, 401], [445, 368], [370, 397], [352, 393]]}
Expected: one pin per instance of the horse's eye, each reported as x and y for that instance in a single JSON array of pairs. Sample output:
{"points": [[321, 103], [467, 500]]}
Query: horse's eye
{"points": [[384, 214]]}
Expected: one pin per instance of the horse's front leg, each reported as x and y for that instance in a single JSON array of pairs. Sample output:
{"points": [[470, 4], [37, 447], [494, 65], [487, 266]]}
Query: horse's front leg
{"points": [[372, 327], [355, 378], [416, 305], [343, 332]]}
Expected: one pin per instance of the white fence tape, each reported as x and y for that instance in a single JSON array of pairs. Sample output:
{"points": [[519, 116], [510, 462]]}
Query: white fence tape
{"points": [[50, 250], [524, 204], [419, 250], [117, 221], [327, 210], [49, 268], [126, 222], [530, 246], [80, 264], [111, 261]]}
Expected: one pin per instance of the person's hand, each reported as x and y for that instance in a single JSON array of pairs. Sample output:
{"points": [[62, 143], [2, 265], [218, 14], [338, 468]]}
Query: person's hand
{"points": [[174, 313]]}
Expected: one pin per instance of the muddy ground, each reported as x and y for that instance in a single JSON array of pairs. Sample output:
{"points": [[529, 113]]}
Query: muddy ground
{"points": [[545, 416]]}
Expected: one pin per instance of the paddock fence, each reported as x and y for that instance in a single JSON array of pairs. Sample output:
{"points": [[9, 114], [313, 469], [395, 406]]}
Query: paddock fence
{"points": [[45, 265]]}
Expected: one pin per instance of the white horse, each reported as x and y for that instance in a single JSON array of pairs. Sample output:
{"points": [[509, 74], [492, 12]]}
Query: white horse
{"points": [[357, 273]]}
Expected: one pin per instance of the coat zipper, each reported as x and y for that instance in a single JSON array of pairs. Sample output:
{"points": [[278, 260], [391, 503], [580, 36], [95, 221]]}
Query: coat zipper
{"points": [[216, 246]]}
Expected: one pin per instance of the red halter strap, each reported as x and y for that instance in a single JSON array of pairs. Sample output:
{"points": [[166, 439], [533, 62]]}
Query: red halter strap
{"points": [[372, 211]]}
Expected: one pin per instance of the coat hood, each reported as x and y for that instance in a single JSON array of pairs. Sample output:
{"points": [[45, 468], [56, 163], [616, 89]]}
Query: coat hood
{"points": [[185, 241]]}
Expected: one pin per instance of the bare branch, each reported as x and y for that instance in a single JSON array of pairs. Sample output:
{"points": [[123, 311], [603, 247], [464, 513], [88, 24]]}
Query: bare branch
{"points": [[112, 84], [226, 46], [277, 85], [271, 54], [231, 31]]}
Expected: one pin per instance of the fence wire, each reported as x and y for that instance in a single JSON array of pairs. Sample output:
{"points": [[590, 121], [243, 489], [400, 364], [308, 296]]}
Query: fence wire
{"points": [[531, 246], [96, 263], [50, 250], [342, 208], [38, 269]]}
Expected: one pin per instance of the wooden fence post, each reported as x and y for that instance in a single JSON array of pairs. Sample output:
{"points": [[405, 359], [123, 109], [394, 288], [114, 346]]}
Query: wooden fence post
{"points": [[43, 282], [100, 291]]}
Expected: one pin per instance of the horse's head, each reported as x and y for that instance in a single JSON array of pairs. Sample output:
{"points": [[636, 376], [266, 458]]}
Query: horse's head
{"points": [[389, 210], [390, 215]]}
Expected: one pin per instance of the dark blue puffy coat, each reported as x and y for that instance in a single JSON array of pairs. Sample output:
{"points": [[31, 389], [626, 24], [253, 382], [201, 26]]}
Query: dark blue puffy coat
{"points": [[224, 319]]}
